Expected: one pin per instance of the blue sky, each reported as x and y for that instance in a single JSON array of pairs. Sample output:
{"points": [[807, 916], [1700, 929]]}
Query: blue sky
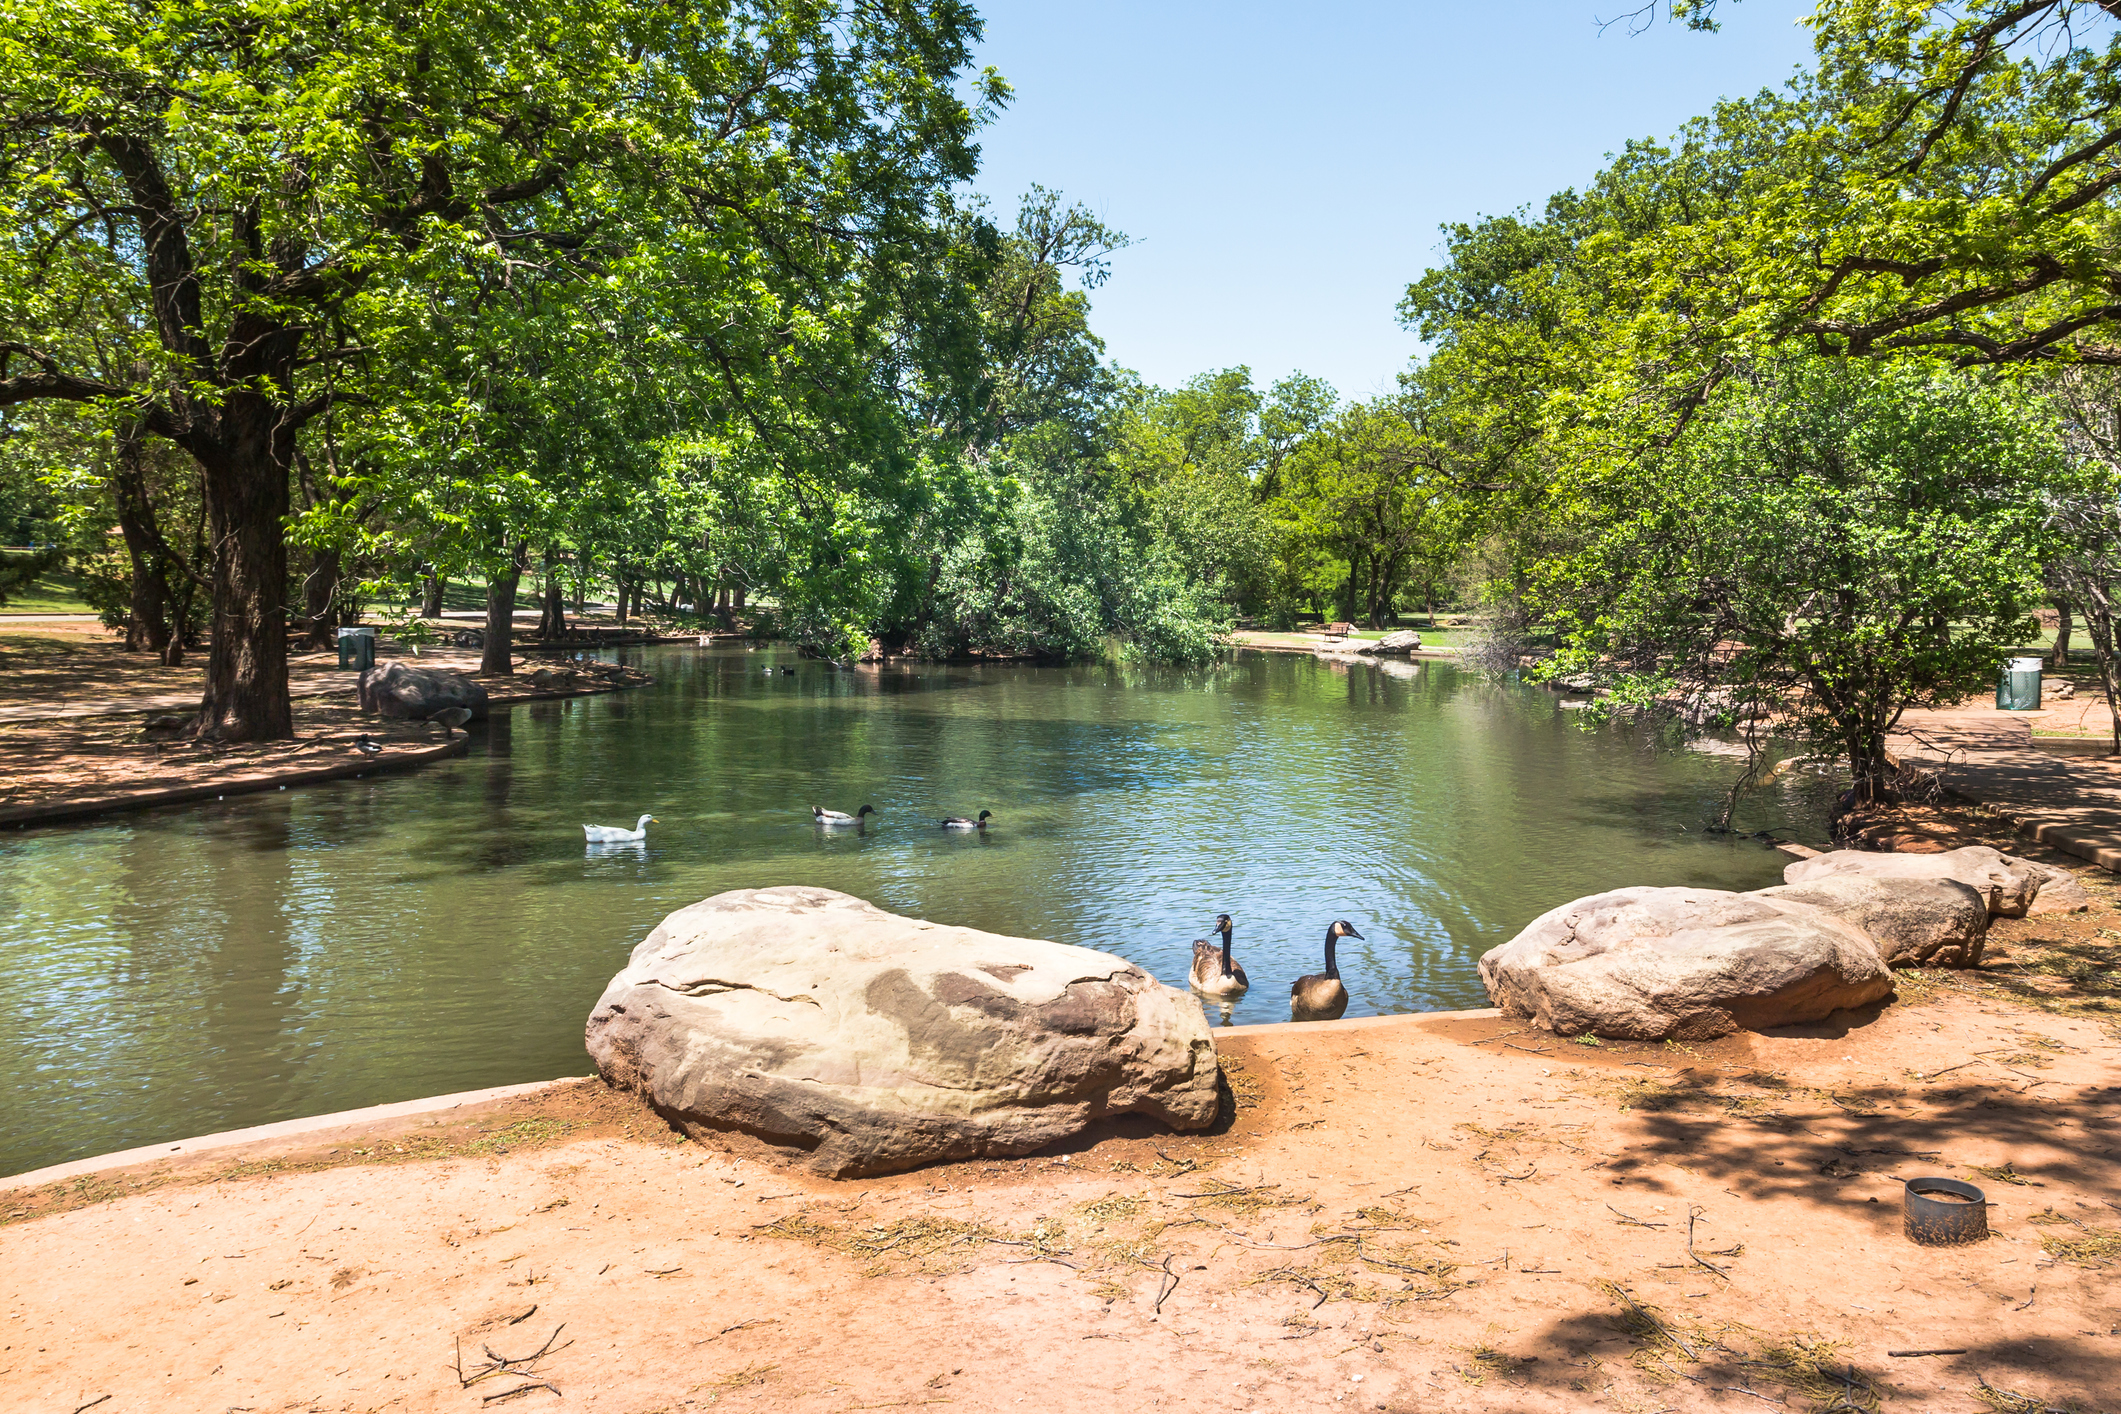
{"points": [[1284, 168]]}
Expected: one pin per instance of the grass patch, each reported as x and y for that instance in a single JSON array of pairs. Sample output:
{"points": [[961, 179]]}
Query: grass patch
{"points": [[1246, 1091], [1118, 1207], [925, 1244], [2002, 1173], [539, 1130], [1244, 1203], [2005, 1401], [1802, 1364], [2088, 1247]]}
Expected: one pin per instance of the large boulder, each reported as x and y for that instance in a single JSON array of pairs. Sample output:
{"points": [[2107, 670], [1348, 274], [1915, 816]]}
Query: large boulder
{"points": [[1647, 964], [415, 694], [1914, 922], [1396, 644], [2010, 884], [2060, 892], [859, 1042]]}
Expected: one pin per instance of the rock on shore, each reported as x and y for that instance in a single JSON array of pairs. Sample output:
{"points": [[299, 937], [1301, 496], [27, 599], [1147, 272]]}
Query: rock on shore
{"points": [[1914, 922], [859, 1042], [1399, 643], [2010, 884], [408, 693], [1646, 964]]}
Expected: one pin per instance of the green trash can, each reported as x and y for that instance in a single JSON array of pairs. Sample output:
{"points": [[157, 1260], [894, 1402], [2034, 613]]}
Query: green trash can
{"points": [[2018, 689], [357, 649]]}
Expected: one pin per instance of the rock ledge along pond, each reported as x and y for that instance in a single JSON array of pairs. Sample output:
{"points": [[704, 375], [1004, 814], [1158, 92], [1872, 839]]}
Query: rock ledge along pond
{"points": [[177, 972]]}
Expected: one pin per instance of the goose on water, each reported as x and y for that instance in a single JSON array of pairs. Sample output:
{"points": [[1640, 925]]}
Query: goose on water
{"points": [[959, 822], [1319, 996], [840, 817], [1214, 973], [619, 834]]}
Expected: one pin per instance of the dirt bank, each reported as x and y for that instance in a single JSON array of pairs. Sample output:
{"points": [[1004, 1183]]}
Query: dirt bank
{"points": [[1413, 1213], [71, 743]]}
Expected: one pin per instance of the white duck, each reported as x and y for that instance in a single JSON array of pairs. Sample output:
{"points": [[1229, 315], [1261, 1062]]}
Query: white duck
{"points": [[619, 834]]}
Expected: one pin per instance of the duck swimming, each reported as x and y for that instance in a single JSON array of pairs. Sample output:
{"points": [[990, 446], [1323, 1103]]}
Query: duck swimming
{"points": [[1319, 996], [619, 834], [1214, 973], [959, 822], [840, 817]]}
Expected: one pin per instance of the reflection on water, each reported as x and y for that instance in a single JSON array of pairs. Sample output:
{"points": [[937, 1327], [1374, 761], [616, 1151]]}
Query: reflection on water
{"points": [[293, 953]]}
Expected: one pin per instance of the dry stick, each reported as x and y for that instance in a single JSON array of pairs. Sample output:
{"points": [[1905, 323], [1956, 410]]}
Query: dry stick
{"points": [[1950, 1068], [747, 1325], [518, 1320], [92, 1404], [1163, 1294], [1904, 1354], [1651, 1316], [519, 1389], [1226, 1192], [1694, 1211], [1635, 1222]]}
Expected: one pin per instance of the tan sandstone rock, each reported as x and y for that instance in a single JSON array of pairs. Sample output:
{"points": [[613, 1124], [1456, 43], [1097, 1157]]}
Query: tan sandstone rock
{"points": [[860, 1042], [2060, 892], [2006, 881], [1691, 964], [1914, 922]]}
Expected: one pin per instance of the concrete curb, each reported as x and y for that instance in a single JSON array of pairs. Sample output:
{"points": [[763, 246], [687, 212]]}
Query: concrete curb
{"points": [[235, 785], [1358, 1023], [2100, 847], [283, 1129]]}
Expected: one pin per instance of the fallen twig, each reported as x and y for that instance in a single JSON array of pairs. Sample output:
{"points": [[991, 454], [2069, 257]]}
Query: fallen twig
{"points": [[1226, 1192], [1634, 1222], [1165, 1293], [518, 1320], [518, 1390], [1694, 1211], [92, 1403], [1950, 1068], [1905, 1354]]}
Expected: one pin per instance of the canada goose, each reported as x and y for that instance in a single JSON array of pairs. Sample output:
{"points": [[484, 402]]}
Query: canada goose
{"points": [[619, 834], [451, 718], [838, 817], [1319, 996], [1213, 971], [959, 822]]}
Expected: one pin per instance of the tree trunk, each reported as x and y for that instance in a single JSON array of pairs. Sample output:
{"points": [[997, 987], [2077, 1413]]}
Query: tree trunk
{"points": [[740, 598], [498, 654], [320, 592], [2058, 657], [246, 483], [552, 623], [148, 624], [622, 599], [432, 589]]}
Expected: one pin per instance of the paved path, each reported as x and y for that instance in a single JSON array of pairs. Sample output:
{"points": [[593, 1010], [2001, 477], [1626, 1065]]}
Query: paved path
{"points": [[2070, 802]]}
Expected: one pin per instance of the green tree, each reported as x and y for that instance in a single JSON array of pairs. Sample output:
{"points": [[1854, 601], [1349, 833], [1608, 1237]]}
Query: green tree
{"points": [[288, 184], [1832, 543]]}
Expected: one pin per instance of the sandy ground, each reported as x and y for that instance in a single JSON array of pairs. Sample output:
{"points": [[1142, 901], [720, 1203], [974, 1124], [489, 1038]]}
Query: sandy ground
{"points": [[1402, 1214], [97, 755]]}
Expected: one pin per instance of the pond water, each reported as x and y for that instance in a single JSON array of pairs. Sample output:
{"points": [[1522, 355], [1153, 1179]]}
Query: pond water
{"points": [[178, 972]]}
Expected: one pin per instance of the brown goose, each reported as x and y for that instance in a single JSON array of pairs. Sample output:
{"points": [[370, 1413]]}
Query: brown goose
{"points": [[1319, 995], [1214, 973]]}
